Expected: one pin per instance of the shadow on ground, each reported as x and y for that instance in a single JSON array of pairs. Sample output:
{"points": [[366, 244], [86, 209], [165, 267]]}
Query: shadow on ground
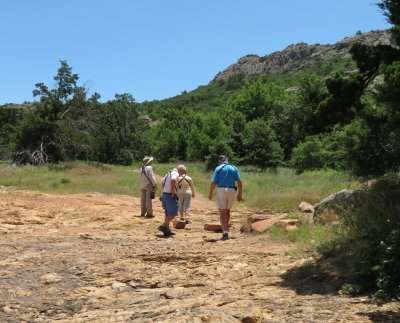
{"points": [[312, 278], [383, 316]]}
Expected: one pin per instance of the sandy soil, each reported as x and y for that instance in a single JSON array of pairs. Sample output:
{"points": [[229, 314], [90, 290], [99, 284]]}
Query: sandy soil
{"points": [[92, 258]]}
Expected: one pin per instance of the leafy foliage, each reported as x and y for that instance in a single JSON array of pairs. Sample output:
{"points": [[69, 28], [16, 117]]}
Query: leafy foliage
{"points": [[312, 154], [261, 147], [372, 239]]}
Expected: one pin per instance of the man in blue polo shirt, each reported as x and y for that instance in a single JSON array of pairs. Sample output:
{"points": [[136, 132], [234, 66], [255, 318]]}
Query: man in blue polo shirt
{"points": [[225, 178]]}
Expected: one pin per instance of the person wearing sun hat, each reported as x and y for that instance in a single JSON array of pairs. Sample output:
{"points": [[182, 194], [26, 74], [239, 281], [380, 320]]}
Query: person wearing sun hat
{"points": [[148, 183]]}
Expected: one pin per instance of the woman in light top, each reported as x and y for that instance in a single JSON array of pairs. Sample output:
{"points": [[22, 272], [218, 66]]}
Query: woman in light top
{"points": [[186, 191]]}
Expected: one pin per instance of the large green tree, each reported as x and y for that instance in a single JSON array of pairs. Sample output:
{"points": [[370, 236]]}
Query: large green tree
{"points": [[262, 149], [118, 131], [368, 108]]}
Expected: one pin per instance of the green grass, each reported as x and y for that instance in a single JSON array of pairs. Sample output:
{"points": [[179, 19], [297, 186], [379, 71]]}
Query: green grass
{"points": [[306, 237], [283, 190], [72, 177]]}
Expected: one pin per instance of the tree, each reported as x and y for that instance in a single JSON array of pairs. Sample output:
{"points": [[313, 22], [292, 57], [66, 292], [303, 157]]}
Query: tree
{"points": [[311, 154], [56, 125], [55, 103], [119, 131], [256, 100], [9, 118], [368, 110], [238, 123], [261, 147]]}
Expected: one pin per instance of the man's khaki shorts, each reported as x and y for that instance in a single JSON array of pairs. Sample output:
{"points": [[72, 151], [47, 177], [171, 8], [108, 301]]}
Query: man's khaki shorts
{"points": [[225, 197]]}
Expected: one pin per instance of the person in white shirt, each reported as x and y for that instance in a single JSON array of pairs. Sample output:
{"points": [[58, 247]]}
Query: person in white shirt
{"points": [[147, 185], [169, 201], [185, 193]]}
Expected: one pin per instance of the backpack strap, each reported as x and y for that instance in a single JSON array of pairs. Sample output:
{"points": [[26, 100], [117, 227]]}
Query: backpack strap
{"points": [[165, 179], [183, 178], [144, 172], [219, 170]]}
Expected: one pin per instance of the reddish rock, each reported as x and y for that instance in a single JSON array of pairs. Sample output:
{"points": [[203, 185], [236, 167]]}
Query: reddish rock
{"points": [[215, 226], [259, 217], [261, 226], [179, 224]]}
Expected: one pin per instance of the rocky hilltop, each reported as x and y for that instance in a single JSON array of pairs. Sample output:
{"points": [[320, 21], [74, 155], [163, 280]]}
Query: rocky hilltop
{"points": [[298, 56]]}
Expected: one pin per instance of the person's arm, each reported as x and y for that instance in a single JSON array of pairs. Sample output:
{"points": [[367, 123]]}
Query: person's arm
{"points": [[240, 189], [210, 193], [172, 189], [152, 177], [192, 188]]}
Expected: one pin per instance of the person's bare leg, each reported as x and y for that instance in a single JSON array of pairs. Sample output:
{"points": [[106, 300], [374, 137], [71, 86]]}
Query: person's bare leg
{"points": [[168, 220], [228, 218], [224, 219]]}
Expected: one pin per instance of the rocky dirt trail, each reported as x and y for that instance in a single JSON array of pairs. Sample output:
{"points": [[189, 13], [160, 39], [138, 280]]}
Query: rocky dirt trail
{"points": [[92, 258]]}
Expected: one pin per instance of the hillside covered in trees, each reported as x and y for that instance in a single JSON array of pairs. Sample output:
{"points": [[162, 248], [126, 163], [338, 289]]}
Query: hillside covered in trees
{"points": [[308, 107]]}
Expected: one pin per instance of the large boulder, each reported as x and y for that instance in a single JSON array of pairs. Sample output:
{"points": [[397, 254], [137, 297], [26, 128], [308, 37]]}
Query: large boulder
{"points": [[339, 202]]}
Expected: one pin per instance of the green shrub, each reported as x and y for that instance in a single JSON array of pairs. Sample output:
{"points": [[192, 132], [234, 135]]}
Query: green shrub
{"points": [[373, 238], [312, 154]]}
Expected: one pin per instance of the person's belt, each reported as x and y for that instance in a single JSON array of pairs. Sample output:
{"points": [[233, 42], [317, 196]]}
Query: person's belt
{"points": [[228, 186], [167, 193]]}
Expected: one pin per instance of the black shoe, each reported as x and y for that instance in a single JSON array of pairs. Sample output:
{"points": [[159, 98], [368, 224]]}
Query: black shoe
{"points": [[169, 233], [149, 215], [225, 236], [143, 215], [166, 231]]}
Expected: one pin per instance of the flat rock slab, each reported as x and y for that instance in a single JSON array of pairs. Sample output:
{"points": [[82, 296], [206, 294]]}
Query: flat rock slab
{"points": [[261, 226], [259, 217]]}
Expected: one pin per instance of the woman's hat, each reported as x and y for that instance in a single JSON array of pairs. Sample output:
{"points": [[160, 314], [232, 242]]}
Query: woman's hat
{"points": [[147, 160]]}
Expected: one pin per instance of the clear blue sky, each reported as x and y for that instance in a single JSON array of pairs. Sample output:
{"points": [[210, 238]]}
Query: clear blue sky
{"points": [[154, 49]]}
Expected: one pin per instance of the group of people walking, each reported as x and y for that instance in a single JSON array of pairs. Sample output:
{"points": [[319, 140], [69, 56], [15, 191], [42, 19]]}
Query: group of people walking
{"points": [[178, 189]]}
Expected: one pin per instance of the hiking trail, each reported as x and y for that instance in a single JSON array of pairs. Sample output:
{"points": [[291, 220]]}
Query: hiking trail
{"points": [[92, 258]]}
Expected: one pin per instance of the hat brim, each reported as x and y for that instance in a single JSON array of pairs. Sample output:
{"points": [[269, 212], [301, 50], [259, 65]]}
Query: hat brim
{"points": [[148, 160]]}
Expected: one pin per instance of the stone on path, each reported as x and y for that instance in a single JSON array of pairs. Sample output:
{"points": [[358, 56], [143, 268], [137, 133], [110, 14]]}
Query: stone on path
{"points": [[259, 217], [179, 224], [261, 226], [50, 278], [216, 226]]}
